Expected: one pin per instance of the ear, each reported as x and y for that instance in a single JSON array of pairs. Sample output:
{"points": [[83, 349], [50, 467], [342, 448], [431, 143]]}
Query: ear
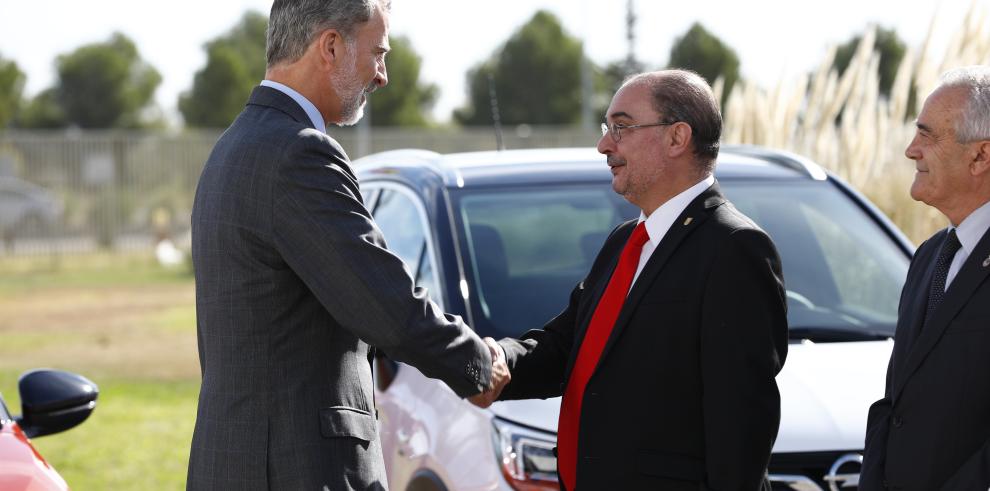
{"points": [[679, 139], [329, 46], [981, 158]]}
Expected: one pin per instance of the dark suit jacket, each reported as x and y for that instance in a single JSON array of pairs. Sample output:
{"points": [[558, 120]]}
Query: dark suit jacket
{"points": [[932, 428], [293, 282], [684, 395]]}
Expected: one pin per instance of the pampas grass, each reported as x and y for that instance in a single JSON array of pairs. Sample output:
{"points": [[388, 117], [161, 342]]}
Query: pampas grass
{"points": [[865, 146]]}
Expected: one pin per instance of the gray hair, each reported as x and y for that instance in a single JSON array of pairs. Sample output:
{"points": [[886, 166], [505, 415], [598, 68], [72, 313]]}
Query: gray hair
{"points": [[975, 122], [292, 24], [682, 95]]}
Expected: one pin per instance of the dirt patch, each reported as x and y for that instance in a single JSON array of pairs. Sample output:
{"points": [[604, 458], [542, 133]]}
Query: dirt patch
{"points": [[105, 330], [91, 308]]}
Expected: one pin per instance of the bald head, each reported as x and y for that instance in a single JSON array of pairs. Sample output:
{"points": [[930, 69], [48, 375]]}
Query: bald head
{"points": [[682, 95]]}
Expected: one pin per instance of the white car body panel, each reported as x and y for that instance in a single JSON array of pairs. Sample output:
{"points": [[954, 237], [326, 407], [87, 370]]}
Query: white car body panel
{"points": [[826, 391]]}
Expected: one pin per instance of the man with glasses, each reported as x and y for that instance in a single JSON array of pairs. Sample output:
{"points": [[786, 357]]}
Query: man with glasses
{"points": [[667, 354]]}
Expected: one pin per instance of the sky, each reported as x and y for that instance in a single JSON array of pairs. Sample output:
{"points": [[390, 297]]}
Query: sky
{"points": [[774, 39]]}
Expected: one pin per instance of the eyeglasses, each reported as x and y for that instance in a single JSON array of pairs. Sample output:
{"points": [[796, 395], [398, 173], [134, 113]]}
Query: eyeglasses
{"points": [[615, 129]]}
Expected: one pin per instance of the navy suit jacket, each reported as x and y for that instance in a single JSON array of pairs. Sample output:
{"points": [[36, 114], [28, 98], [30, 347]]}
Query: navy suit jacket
{"points": [[932, 428], [684, 396]]}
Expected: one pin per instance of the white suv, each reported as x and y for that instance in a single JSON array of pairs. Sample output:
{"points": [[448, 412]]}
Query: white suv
{"points": [[501, 238]]}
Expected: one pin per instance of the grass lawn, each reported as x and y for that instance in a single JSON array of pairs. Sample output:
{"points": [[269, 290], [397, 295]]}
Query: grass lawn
{"points": [[129, 326]]}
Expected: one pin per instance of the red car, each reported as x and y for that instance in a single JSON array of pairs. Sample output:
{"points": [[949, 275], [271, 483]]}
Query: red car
{"points": [[52, 401]]}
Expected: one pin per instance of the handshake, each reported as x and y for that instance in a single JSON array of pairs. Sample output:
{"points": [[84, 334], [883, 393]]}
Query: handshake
{"points": [[500, 376]]}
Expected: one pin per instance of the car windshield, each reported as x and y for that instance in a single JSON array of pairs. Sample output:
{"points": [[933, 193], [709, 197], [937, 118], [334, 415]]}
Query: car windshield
{"points": [[527, 248]]}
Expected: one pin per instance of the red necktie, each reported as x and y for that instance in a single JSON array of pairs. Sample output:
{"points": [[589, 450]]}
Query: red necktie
{"points": [[602, 321]]}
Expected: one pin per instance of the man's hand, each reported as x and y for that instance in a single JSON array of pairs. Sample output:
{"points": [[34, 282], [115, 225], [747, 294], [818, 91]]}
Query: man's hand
{"points": [[500, 376]]}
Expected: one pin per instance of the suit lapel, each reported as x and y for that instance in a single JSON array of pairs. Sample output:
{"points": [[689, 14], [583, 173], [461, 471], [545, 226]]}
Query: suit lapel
{"points": [[910, 321], [698, 211], [912, 315], [970, 277], [598, 289]]}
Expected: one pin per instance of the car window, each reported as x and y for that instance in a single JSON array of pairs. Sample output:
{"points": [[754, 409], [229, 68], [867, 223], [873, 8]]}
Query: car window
{"points": [[840, 269], [402, 220], [528, 248]]}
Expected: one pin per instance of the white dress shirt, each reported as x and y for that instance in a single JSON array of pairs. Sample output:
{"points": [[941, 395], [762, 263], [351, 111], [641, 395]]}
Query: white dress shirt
{"points": [[660, 221], [314, 114], [970, 231]]}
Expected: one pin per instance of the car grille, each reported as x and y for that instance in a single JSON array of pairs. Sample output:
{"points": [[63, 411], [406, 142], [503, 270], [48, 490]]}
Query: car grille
{"points": [[809, 471]]}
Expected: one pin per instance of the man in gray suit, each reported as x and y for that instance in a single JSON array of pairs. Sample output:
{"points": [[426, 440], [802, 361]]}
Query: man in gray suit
{"points": [[293, 278]]}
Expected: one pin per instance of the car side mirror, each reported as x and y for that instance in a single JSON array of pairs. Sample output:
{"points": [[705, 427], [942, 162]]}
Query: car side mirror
{"points": [[53, 401]]}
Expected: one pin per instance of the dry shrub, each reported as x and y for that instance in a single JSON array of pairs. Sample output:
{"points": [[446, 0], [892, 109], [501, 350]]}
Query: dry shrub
{"points": [[846, 125]]}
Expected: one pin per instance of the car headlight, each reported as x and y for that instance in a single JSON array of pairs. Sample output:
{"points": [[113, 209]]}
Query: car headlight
{"points": [[525, 456]]}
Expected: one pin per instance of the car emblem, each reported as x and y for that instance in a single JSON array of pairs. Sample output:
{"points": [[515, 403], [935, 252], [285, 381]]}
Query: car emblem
{"points": [[844, 473], [986, 262]]}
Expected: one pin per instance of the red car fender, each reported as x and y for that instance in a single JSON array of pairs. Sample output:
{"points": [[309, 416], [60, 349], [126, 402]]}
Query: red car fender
{"points": [[22, 468]]}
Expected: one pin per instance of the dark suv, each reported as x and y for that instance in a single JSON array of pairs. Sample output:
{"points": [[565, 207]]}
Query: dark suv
{"points": [[501, 238]]}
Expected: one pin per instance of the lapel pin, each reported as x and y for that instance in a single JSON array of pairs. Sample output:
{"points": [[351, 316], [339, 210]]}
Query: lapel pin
{"points": [[986, 262], [687, 221]]}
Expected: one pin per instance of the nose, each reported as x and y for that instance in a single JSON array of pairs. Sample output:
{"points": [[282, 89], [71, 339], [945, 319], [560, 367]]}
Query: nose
{"points": [[381, 75], [606, 145], [912, 152]]}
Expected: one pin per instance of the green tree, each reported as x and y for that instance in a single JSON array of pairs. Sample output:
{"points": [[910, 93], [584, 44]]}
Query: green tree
{"points": [[11, 87], [890, 47], [406, 99], [235, 63], [105, 85], [42, 112], [706, 54], [617, 72], [536, 76]]}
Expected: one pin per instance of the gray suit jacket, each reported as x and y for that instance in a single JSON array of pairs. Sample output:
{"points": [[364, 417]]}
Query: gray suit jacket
{"points": [[293, 283]]}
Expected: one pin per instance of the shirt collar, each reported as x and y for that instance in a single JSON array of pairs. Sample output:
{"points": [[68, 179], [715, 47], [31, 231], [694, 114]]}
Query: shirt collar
{"points": [[973, 227], [309, 107], [662, 218]]}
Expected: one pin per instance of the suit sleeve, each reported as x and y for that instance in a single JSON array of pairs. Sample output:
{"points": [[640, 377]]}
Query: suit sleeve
{"points": [[743, 347], [328, 238], [871, 476], [537, 360]]}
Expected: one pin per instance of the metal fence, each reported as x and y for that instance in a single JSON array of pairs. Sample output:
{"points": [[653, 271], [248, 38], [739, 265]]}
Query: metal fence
{"points": [[70, 192]]}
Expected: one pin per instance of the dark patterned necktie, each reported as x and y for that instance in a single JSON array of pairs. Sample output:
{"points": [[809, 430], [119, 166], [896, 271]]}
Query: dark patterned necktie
{"points": [[937, 291]]}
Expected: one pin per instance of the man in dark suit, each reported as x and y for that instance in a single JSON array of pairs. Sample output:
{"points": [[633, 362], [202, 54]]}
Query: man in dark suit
{"points": [[932, 428], [667, 352], [293, 278]]}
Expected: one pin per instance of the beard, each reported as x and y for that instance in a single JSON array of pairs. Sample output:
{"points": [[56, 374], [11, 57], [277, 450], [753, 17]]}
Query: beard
{"points": [[350, 94]]}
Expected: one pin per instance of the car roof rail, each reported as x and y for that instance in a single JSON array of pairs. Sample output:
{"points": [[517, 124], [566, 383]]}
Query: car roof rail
{"points": [[782, 158], [409, 157], [401, 156]]}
